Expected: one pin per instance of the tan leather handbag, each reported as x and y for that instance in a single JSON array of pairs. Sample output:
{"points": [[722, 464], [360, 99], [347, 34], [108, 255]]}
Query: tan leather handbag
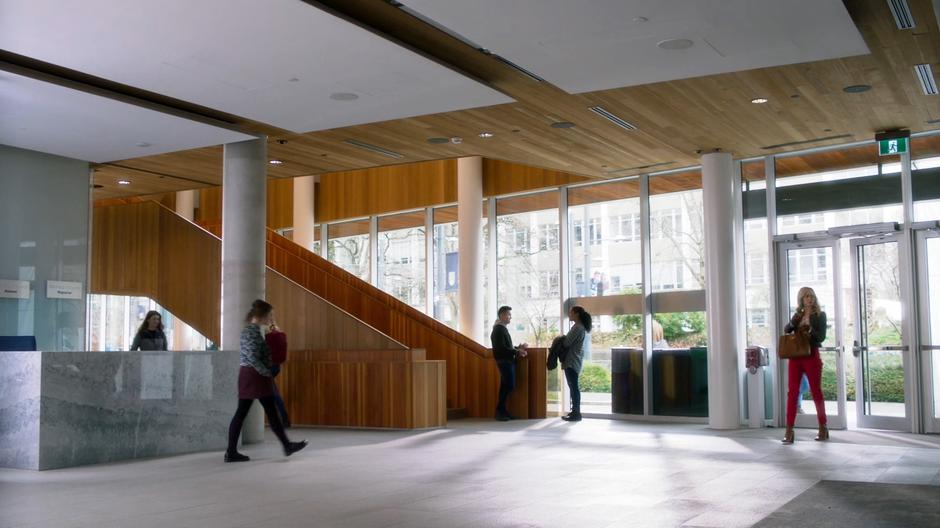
{"points": [[795, 345]]}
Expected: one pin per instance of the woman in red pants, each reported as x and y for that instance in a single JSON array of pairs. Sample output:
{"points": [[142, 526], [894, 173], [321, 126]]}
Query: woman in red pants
{"points": [[811, 320]]}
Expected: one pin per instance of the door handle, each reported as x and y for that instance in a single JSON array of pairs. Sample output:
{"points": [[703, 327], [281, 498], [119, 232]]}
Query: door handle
{"points": [[888, 348], [857, 350]]}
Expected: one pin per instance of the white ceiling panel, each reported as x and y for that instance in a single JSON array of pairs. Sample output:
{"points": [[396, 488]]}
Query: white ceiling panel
{"points": [[273, 61], [46, 117], [590, 45]]}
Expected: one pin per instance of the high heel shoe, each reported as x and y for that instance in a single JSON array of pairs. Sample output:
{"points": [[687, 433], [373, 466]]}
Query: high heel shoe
{"points": [[823, 434], [788, 436]]}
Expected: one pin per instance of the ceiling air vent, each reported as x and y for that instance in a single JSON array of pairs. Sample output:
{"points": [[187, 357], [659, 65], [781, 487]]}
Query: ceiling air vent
{"points": [[373, 148], [902, 14], [611, 117], [807, 141], [925, 75]]}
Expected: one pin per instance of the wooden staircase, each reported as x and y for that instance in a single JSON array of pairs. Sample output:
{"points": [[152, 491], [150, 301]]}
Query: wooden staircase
{"points": [[329, 308]]}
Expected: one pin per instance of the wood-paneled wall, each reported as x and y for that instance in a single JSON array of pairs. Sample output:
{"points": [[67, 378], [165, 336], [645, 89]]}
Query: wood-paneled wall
{"points": [[353, 194], [504, 177], [364, 389], [385, 189], [145, 249]]}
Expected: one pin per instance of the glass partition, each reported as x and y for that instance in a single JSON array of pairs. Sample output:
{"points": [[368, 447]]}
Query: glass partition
{"points": [[528, 274], [757, 265], [348, 247], [113, 321], [401, 257]]}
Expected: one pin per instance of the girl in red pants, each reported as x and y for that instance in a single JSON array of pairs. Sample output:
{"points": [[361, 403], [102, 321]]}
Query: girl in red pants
{"points": [[810, 319]]}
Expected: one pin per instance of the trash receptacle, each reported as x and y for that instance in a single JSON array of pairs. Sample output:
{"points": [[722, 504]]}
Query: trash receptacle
{"points": [[698, 381], [626, 368]]}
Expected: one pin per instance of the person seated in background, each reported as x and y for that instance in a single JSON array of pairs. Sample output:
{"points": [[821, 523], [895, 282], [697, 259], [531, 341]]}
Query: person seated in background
{"points": [[505, 355], [659, 338]]}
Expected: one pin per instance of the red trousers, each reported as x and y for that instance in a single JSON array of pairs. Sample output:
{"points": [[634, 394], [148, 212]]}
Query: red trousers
{"points": [[812, 367]]}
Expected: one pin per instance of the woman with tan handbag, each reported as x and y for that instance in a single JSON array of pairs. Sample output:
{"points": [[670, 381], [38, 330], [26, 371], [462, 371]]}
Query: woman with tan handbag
{"points": [[811, 321]]}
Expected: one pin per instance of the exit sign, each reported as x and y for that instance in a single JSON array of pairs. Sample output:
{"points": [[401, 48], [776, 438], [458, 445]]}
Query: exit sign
{"points": [[890, 147]]}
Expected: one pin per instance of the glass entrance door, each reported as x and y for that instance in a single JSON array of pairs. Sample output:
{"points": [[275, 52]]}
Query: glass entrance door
{"points": [[928, 294], [880, 348], [815, 264]]}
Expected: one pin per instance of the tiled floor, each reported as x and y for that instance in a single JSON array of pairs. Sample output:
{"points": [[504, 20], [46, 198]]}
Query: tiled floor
{"points": [[596, 473]]}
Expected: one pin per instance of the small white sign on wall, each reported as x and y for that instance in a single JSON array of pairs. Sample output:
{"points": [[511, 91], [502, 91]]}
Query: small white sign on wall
{"points": [[14, 289], [63, 290]]}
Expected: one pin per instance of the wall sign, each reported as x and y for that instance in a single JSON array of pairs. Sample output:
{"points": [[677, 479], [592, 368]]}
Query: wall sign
{"points": [[14, 289], [63, 290]]}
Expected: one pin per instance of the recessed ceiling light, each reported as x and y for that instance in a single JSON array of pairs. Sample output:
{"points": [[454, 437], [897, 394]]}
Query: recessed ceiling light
{"points": [[758, 100], [275, 162], [562, 124], [143, 144], [674, 44], [438, 140], [293, 79], [344, 96], [640, 20], [857, 88], [485, 134], [124, 182]]}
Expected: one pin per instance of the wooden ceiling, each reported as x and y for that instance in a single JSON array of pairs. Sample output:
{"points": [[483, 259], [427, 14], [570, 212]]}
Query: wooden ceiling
{"points": [[674, 119]]}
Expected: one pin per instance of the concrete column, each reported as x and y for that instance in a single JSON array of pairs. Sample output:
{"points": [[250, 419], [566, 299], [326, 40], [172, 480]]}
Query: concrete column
{"points": [[304, 221], [186, 204], [470, 246], [244, 198], [721, 291]]}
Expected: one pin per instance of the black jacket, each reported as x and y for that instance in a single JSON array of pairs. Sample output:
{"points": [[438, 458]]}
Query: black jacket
{"points": [[817, 327], [502, 343]]}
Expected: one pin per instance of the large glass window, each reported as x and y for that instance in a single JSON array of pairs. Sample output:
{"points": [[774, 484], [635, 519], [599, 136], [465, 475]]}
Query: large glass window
{"points": [[609, 264], [528, 270], [925, 177], [349, 247], [401, 257], [677, 235], [678, 367], [446, 307], [757, 265], [851, 186]]}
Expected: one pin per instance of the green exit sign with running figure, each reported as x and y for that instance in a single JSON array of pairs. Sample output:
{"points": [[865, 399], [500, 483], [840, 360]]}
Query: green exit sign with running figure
{"points": [[890, 147]]}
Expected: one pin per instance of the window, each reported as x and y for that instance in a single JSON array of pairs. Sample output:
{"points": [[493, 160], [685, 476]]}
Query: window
{"points": [[615, 282], [808, 265], [626, 227], [525, 291], [520, 240], [576, 232], [756, 271], [666, 223], [668, 275], [548, 236], [594, 231], [757, 317], [549, 284]]}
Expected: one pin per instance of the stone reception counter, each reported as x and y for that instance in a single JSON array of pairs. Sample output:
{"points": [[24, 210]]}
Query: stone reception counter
{"points": [[62, 409]]}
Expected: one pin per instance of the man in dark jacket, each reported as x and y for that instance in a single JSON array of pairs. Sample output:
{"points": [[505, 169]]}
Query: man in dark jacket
{"points": [[505, 355]]}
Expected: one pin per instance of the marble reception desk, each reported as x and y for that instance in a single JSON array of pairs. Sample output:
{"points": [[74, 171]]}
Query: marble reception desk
{"points": [[62, 409]]}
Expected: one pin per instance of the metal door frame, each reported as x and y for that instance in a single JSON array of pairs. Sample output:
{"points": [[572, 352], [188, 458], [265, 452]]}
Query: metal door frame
{"points": [[931, 421], [838, 421], [874, 421]]}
